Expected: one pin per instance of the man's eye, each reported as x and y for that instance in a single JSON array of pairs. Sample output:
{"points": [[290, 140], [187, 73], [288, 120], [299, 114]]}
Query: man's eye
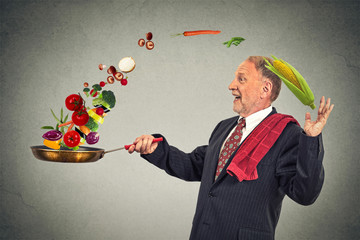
{"points": [[241, 79]]}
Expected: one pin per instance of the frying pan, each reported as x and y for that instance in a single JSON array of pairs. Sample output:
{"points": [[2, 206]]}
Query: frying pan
{"points": [[82, 155]]}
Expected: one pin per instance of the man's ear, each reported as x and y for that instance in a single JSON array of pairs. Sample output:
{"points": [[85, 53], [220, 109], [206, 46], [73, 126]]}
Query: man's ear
{"points": [[266, 89]]}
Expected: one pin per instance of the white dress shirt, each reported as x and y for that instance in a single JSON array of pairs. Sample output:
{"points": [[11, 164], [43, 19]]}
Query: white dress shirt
{"points": [[250, 123]]}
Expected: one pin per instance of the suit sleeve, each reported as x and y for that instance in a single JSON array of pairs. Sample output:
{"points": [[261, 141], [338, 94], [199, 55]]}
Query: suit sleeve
{"points": [[186, 166], [299, 167]]}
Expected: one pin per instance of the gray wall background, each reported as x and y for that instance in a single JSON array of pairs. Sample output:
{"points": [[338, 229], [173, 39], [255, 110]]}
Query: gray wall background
{"points": [[50, 48]]}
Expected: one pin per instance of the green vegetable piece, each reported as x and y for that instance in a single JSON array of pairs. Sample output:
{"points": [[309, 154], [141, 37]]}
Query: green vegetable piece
{"points": [[66, 117], [87, 90], [234, 41], [55, 116], [97, 87], [106, 99], [109, 98], [92, 125], [47, 127]]}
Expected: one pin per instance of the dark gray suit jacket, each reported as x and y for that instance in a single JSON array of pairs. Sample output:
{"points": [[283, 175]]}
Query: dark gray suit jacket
{"points": [[249, 210]]}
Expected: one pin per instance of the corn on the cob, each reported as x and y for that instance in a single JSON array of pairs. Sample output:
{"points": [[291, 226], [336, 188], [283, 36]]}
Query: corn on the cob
{"points": [[293, 80], [287, 73]]}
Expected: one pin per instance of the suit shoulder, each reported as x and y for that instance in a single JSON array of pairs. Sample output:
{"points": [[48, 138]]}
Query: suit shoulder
{"points": [[229, 120], [292, 129]]}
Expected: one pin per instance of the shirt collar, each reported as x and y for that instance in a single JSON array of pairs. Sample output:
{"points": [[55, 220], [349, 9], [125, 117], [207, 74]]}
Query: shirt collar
{"points": [[254, 119]]}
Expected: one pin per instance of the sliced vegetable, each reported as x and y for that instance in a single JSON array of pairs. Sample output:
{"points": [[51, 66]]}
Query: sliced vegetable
{"points": [[84, 129], [111, 70], [52, 144], [110, 79], [92, 138], [92, 125], [53, 135], [92, 114], [141, 42], [118, 76], [149, 45], [127, 64], [101, 66], [82, 135]]}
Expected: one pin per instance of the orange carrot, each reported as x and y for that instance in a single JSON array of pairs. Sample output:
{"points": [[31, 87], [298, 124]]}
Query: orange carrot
{"points": [[198, 32], [66, 123], [71, 126], [193, 33]]}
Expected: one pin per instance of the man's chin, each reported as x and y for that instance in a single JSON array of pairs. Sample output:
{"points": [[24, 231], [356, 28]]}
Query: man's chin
{"points": [[237, 109]]}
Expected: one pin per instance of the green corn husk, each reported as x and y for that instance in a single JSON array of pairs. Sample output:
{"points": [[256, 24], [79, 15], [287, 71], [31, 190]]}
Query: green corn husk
{"points": [[305, 96]]}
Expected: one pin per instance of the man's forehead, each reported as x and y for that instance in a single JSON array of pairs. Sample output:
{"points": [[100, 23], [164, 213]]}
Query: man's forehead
{"points": [[246, 67]]}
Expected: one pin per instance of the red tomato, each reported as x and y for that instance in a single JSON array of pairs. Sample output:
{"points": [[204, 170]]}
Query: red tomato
{"points": [[72, 138], [102, 84], [74, 102], [80, 118], [100, 111]]}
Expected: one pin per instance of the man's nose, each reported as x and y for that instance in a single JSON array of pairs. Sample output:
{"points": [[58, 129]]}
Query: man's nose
{"points": [[232, 85]]}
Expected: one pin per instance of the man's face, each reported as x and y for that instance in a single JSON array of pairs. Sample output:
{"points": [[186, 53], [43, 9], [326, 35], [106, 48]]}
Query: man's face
{"points": [[246, 88]]}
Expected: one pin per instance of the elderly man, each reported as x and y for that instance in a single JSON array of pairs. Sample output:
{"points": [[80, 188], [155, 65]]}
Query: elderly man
{"points": [[251, 161]]}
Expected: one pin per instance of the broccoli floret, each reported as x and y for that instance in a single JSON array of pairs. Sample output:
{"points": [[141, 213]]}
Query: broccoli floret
{"points": [[97, 87], [109, 98], [97, 101], [92, 125]]}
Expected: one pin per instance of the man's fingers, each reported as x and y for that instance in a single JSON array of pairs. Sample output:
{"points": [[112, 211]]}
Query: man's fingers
{"points": [[329, 108], [131, 149], [142, 144], [321, 107]]}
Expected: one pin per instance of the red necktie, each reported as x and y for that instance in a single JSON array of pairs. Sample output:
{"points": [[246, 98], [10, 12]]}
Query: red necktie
{"points": [[229, 147]]}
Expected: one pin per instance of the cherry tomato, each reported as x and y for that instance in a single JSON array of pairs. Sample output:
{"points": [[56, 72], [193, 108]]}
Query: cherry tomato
{"points": [[100, 111], [74, 102], [102, 84], [72, 138], [80, 118], [124, 82]]}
